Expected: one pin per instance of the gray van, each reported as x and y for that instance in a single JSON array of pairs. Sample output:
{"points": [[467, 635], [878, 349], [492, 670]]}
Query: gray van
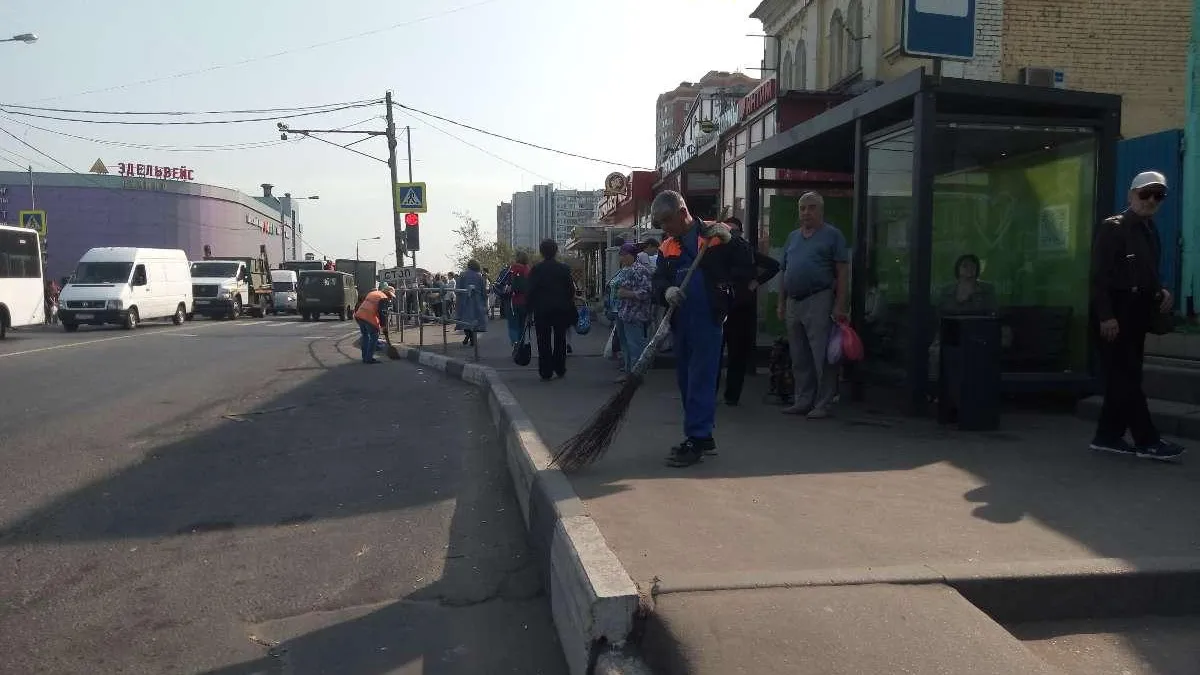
{"points": [[326, 292]]}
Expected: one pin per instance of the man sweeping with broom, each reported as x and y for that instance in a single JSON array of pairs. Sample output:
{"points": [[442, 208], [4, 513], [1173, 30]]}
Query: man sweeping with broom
{"points": [[699, 312], [692, 278]]}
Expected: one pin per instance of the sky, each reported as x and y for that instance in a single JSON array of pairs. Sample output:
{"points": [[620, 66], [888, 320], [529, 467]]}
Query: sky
{"points": [[574, 75]]}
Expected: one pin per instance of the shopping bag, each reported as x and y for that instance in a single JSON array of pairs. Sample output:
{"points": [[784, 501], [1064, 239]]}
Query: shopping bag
{"points": [[833, 347], [852, 346], [523, 351], [584, 323], [608, 344]]}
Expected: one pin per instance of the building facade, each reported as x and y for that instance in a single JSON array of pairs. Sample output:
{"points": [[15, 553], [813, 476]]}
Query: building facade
{"points": [[546, 213], [852, 45], [504, 223], [674, 107], [573, 208], [88, 211]]}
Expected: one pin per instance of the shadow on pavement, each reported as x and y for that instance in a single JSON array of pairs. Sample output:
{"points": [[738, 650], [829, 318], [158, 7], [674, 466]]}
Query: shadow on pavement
{"points": [[315, 521]]}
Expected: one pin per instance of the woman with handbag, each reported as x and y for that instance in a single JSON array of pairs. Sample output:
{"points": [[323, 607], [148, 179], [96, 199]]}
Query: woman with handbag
{"points": [[634, 306]]}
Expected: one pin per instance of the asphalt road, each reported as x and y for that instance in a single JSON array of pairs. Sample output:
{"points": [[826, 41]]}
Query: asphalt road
{"points": [[245, 497]]}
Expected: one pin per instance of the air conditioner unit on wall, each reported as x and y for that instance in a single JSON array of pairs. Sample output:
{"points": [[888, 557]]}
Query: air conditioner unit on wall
{"points": [[1043, 77]]}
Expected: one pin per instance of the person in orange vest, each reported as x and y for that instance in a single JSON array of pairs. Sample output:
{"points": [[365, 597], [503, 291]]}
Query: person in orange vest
{"points": [[700, 311], [372, 318]]}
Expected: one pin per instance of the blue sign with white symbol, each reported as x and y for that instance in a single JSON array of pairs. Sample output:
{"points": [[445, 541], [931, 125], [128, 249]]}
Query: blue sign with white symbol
{"points": [[410, 198], [939, 29]]}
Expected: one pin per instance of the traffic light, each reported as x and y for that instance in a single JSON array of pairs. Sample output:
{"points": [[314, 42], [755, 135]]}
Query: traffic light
{"points": [[412, 232]]}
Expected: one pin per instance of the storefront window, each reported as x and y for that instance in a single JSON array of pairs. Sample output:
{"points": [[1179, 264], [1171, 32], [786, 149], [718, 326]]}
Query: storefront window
{"points": [[769, 125], [889, 213], [755, 132], [1021, 201], [740, 148]]}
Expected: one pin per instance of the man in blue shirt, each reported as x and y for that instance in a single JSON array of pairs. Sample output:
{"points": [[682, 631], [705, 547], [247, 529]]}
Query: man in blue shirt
{"points": [[813, 294]]}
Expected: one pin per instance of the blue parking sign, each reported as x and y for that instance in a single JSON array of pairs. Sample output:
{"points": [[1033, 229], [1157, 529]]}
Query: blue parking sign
{"points": [[939, 29]]}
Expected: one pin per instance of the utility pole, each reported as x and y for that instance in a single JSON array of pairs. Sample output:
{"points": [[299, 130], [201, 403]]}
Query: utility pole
{"points": [[397, 226], [284, 202], [32, 198], [408, 149], [1190, 227]]}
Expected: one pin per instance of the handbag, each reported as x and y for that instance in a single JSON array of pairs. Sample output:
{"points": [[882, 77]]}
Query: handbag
{"points": [[583, 322], [522, 353], [1161, 323]]}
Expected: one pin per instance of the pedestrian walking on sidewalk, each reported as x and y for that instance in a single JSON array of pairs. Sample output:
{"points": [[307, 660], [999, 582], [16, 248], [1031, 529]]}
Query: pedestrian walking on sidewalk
{"points": [[551, 301], [700, 309], [741, 326], [1128, 299], [813, 294], [371, 317], [515, 282], [634, 305], [472, 316]]}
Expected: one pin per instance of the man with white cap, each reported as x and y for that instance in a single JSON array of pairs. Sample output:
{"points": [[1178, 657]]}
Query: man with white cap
{"points": [[1126, 295]]}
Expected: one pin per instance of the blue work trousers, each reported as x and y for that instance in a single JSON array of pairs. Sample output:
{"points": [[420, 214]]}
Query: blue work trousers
{"points": [[697, 365], [370, 338]]}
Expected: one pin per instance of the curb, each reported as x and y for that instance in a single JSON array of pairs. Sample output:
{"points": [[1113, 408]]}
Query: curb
{"points": [[1007, 592], [593, 600]]}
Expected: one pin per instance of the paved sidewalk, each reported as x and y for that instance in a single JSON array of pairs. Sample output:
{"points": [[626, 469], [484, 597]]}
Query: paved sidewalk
{"points": [[867, 489]]}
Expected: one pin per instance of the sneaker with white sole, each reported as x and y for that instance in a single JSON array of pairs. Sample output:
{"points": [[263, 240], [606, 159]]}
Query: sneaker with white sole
{"points": [[1117, 447], [1163, 451]]}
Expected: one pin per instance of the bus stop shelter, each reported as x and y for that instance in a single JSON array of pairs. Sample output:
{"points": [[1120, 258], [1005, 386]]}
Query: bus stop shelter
{"points": [[948, 171]]}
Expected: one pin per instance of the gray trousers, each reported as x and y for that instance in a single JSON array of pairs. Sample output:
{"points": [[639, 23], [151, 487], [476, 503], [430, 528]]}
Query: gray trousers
{"points": [[808, 324]]}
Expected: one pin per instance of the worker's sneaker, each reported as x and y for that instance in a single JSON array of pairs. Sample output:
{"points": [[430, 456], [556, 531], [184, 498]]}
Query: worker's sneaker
{"points": [[690, 452], [1163, 451], [1117, 447]]}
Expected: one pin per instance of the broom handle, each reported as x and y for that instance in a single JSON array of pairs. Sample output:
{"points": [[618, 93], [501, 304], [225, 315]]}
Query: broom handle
{"points": [[664, 326]]}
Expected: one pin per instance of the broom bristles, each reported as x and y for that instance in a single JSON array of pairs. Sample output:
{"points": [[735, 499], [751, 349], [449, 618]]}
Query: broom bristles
{"points": [[590, 444]]}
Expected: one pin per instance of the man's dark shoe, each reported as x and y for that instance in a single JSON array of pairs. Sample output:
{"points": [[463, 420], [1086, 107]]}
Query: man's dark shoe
{"points": [[691, 451], [1116, 447], [1163, 451], [372, 361]]}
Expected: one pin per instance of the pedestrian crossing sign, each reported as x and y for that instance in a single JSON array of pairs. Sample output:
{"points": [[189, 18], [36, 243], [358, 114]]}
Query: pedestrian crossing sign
{"points": [[34, 220], [410, 198]]}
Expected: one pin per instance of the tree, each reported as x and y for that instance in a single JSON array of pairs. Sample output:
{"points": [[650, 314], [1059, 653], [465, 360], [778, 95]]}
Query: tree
{"points": [[491, 255]]}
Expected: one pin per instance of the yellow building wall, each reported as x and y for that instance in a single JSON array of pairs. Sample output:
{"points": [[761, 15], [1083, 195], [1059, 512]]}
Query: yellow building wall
{"points": [[1138, 50]]}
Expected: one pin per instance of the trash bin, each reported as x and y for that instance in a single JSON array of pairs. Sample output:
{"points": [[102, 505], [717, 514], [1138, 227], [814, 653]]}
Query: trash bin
{"points": [[969, 372]]}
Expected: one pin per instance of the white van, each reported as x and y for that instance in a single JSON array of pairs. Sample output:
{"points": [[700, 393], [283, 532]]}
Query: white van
{"points": [[122, 285], [283, 291]]}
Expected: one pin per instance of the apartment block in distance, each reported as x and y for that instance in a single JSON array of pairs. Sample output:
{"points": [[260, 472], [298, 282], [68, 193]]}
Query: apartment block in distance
{"points": [[573, 208], [547, 213], [504, 223]]}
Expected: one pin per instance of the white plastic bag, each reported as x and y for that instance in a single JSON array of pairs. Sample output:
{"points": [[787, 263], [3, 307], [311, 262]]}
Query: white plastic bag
{"points": [[608, 344], [833, 348]]}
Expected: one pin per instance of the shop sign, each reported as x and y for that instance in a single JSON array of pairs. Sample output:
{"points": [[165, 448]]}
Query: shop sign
{"points": [[144, 184], [132, 170], [267, 226], [761, 96]]}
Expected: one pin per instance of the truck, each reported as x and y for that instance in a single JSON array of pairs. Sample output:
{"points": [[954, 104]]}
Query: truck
{"points": [[364, 272], [299, 266], [232, 286]]}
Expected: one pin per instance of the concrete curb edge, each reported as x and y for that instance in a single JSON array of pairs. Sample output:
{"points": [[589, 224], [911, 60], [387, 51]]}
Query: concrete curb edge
{"points": [[593, 599]]}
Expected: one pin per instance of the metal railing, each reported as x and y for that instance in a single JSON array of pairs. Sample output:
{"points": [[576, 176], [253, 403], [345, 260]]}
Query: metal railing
{"points": [[421, 307]]}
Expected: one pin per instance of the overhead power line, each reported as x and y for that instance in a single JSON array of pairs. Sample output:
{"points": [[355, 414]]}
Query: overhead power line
{"points": [[286, 52], [249, 145], [271, 118], [519, 141], [165, 113]]}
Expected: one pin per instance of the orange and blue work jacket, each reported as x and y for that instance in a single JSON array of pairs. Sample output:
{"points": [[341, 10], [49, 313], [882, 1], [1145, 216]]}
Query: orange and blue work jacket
{"points": [[723, 267], [374, 308]]}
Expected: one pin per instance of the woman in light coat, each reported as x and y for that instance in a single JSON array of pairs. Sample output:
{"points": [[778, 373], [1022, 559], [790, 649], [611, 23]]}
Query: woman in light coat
{"points": [[472, 307]]}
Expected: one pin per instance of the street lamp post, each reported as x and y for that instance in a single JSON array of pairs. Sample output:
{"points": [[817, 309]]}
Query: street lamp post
{"points": [[285, 206], [356, 256]]}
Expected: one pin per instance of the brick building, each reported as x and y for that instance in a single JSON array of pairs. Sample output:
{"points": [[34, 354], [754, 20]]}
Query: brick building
{"points": [[852, 45]]}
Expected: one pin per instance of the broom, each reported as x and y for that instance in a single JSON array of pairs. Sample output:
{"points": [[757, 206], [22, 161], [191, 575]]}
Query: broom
{"points": [[392, 352], [593, 440]]}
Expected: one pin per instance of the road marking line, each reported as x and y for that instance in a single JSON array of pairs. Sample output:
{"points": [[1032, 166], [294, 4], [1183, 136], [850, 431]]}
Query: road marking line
{"points": [[169, 331]]}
